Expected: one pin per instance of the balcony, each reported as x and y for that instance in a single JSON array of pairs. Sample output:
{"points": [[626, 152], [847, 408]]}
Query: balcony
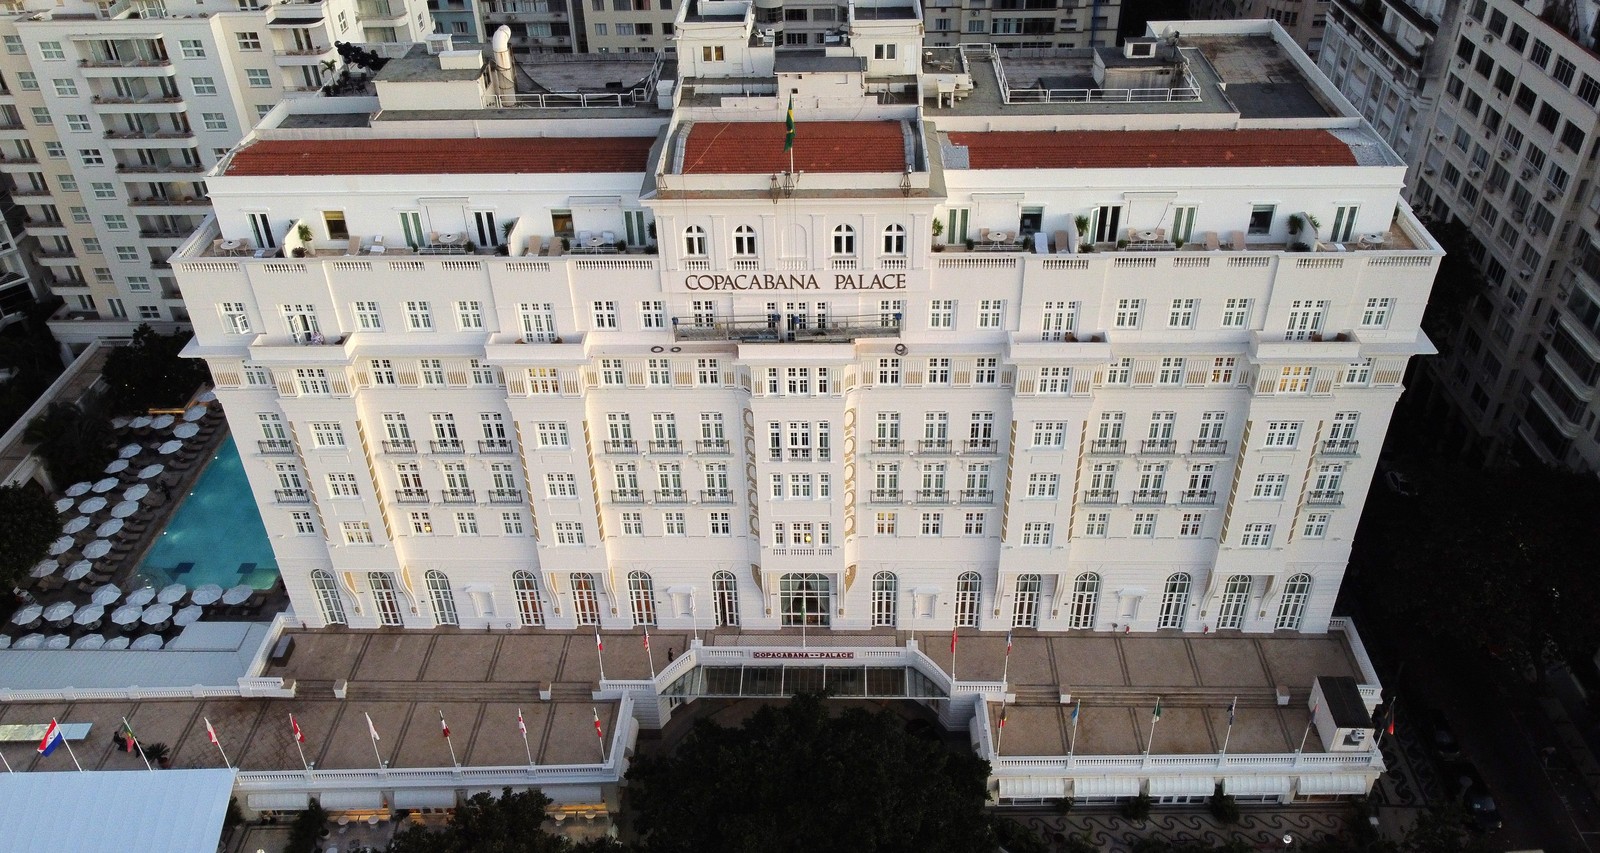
{"points": [[716, 496], [291, 496], [934, 446], [505, 496], [665, 445], [154, 62], [1339, 447], [1325, 497], [1149, 496], [459, 496], [449, 446], [620, 445], [149, 134], [981, 446], [1100, 496], [396, 446], [886, 445], [275, 446], [411, 496], [778, 328], [884, 496], [671, 496], [1158, 446], [1107, 446], [932, 496], [494, 446], [977, 496], [162, 168], [1198, 497], [712, 447], [1209, 447], [627, 496]]}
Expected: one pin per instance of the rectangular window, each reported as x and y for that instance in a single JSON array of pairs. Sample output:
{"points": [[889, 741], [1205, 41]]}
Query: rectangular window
{"points": [[1376, 314], [1295, 380], [356, 532], [1283, 434], [51, 50], [1191, 524], [941, 314], [1261, 218], [1144, 525], [605, 314], [1043, 486], [991, 313], [368, 318], [1270, 486], [65, 87], [653, 314], [234, 318], [419, 317], [1256, 535], [258, 78], [248, 41], [561, 485], [1316, 525], [1181, 315], [1236, 314], [192, 48], [327, 434], [1037, 534], [1128, 313], [204, 85], [1096, 523], [469, 315], [569, 533], [215, 121], [343, 486]]}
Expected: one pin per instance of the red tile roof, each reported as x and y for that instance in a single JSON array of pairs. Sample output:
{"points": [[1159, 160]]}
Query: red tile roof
{"points": [[1124, 149], [756, 147], [468, 156]]}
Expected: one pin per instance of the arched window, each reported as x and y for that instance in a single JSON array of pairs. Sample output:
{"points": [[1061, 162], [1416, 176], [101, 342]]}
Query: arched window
{"points": [[894, 240], [1025, 608], [805, 599], [527, 589], [1085, 600], [642, 598], [1235, 595], [585, 600], [1292, 608], [328, 600], [1175, 601], [694, 241], [725, 598], [383, 597], [844, 240], [443, 600], [885, 599], [968, 586], [744, 241]]}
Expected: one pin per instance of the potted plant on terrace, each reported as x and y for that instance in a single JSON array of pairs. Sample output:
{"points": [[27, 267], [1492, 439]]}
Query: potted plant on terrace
{"points": [[938, 232]]}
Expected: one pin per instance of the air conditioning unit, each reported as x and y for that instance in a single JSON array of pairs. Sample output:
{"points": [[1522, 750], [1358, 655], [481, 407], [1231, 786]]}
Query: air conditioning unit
{"points": [[1505, 154], [1525, 273], [1438, 137], [1473, 173], [1563, 292], [1488, 38], [1460, 64], [1526, 174], [1427, 171], [1549, 195], [1517, 214]]}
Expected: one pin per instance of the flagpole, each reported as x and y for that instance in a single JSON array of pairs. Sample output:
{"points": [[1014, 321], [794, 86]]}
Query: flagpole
{"points": [[136, 747], [7, 763], [1154, 718], [1311, 720], [599, 734], [694, 619], [1000, 739], [447, 739], [1229, 736], [1005, 669], [952, 657], [1388, 726], [299, 745], [1072, 744], [600, 652], [68, 744], [649, 655], [523, 727], [373, 730], [217, 742]]}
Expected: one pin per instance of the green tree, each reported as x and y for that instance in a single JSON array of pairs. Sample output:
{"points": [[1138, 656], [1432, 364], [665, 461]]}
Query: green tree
{"points": [[75, 443], [510, 823], [150, 373], [30, 525], [794, 778]]}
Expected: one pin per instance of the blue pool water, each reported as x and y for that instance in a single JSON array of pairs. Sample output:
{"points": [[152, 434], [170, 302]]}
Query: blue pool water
{"points": [[216, 536]]}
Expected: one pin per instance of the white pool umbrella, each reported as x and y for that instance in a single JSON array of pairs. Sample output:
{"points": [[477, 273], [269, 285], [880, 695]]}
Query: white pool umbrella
{"points": [[93, 505], [78, 570], [136, 492], [147, 643], [188, 615], [170, 448], [142, 596], [27, 613], [117, 466], [89, 614], [77, 489], [195, 413], [97, 549], [60, 546], [116, 644], [105, 485], [186, 430], [125, 509], [43, 569], [57, 642], [155, 614], [76, 525], [32, 641], [151, 470], [238, 594], [162, 422], [5, 641], [140, 422], [106, 594], [64, 504], [109, 529], [172, 593], [119, 422], [129, 451], [59, 611], [127, 614], [206, 594], [89, 642], [205, 396]]}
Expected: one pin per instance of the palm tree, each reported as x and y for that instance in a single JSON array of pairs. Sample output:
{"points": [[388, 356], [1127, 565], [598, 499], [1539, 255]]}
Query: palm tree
{"points": [[76, 443]]}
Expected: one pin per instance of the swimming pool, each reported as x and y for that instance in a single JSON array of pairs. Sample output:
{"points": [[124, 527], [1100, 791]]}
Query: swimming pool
{"points": [[216, 536]]}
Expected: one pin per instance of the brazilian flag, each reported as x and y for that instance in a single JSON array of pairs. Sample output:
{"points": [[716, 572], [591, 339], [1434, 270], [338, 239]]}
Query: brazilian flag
{"points": [[788, 122]]}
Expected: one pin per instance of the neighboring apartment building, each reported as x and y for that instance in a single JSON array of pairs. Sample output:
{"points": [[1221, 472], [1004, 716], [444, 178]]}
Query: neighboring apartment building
{"points": [[119, 110], [1304, 20], [1509, 150], [463, 19]]}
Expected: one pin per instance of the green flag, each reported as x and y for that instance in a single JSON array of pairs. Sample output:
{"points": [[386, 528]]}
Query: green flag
{"points": [[1157, 715], [788, 122]]}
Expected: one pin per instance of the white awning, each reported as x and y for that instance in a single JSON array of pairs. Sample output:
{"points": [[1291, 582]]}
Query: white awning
{"points": [[1032, 787], [425, 798], [279, 801], [1254, 786], [1105, 786], [351, 801], [1334, 783], [166, 812], [1172, 786]]}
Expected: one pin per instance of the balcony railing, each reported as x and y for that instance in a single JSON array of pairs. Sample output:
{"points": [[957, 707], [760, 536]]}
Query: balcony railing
{"points": [[777, 327], [494, 446], [666, 445], [1198, 497], [982, 445], [884, 496], [933, 496], [716, 496], [411, 496], [459, 496], [712, 446], [275, 446], [1325, 497], [505, 496], [1149, 496], [291, 496], [671, 496], [886, 445], [1100, 496], [1339, 447], [1107, 446], [1209, 446], [977, 496], [934, 445], [620, 445], [448, 445], [394, 446], [627, 496], [1158, 446]]}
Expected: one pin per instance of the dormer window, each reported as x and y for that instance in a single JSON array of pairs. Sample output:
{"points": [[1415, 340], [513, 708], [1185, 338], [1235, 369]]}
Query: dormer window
{"points": [[894, 240], [844, 240], [694, 241], [744, 241]]}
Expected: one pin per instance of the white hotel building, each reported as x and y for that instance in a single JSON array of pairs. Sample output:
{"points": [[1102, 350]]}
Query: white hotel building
{"points": [[793, 407]]}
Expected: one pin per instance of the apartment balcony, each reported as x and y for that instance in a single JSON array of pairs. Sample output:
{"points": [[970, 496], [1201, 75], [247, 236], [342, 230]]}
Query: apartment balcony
{"points": [[1198, 497], [1158, 446], [1208, 447], [411, 496], [665, 445], [1107, 447], [935, 446], [29, 192], [152, 67], [118, 105], [121, 139], [884, 496], [298, 56], [981, 447], [886, 445], [399, 447], [627, 496], [977, 496], [494, 446], [275, 446], [448, 446], [14, 162], [165, 233], [291, 496], [620, 446], [716, 496], [931, 496], [162, 169], [1339, 447], [459, 496], [1100, 496], [1149, 496], [505, 496], [379, 10], [778, 328], [671, 496], [712, 447], [1325, 497]]}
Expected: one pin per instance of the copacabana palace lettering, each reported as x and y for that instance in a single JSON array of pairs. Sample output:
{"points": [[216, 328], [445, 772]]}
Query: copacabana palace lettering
{"points": [[794, 281]]}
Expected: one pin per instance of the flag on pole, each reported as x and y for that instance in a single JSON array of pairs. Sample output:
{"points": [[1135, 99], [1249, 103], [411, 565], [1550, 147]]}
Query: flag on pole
{"points": [[128, 736], [1003, 710], [598, 732], [647, 638], [444, 726], [371, 729], [952, 641], [211, 733], [1156, 715], [1391, 722], [521, 726], [788, 123], [1008, 644], [52, 739], [1075, 707], [598, 645], [299, 736], [1231, 708]]}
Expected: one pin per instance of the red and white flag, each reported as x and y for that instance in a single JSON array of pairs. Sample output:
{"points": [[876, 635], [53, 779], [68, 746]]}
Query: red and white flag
{"points": [[211, 733], [1008, 644], [521, 726], [647, 638], [952, 641], [598, 732], [371, 729], [298, 735], [598, 645], [443, 726]]}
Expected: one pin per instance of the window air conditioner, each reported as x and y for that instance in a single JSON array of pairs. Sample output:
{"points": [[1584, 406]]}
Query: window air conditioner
{"points": [[1525, 273], [1473, 173], [1526, 174], [1517, 214], [1505, 155], [1438, 137]]}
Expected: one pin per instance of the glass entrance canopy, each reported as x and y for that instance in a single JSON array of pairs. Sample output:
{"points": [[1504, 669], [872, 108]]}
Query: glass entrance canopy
{"points": [[858, 682]]}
